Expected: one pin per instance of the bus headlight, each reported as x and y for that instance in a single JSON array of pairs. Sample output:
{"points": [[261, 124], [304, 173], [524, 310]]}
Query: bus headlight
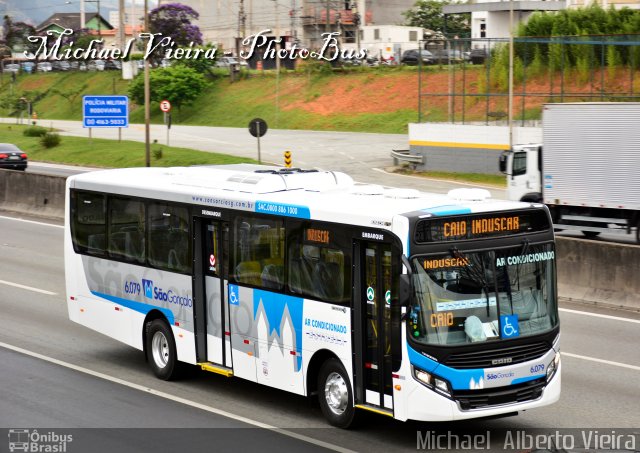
{"points": [[553, 366], [433, 382]]}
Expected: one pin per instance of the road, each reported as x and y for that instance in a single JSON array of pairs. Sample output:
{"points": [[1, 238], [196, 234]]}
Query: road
{"points": [[601, 370], [364, 156]]}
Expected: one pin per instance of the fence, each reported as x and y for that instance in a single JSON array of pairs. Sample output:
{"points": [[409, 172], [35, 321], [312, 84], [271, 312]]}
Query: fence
{"points": [[556, 69]]}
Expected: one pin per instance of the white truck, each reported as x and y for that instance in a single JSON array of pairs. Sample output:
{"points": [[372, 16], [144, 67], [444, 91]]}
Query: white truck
{"points": [[587, 171]]}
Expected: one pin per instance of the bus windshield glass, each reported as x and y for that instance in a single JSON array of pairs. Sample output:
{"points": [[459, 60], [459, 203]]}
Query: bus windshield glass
{"points": [[463, 298]]}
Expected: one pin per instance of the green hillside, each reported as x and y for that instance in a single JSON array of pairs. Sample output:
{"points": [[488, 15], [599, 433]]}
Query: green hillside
{"points": [[292, 101]]}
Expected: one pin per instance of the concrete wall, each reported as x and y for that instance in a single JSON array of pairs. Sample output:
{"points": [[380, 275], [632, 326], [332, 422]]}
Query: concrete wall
{"points": [[591, 271], [32, 193], [465, 148], [599, 272]]}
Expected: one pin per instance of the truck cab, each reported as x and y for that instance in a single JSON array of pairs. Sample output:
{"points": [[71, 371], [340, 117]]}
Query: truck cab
{"points": [[523, 167]]}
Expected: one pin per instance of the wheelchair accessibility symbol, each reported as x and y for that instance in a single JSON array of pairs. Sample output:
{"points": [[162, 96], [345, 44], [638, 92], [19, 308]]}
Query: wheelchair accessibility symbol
{"points": [[509, 326], [233, 295]]}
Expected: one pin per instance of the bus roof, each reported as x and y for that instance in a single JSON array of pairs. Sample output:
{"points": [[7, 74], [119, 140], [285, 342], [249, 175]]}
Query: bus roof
{"points": [[321, 195]]}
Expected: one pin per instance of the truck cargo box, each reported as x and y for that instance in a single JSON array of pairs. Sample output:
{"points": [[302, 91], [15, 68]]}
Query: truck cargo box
{"points": [[591, 154]]}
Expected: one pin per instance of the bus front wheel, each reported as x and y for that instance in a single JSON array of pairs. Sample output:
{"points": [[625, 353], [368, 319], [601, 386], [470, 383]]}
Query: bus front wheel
{"points": [[161, 350], [335, 394]]}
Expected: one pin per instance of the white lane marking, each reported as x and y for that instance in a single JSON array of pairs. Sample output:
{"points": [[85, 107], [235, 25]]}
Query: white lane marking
{"points": [[596, 315], [348, 156], [606, 362], [31, 221], [28, 288], [177, 399]]}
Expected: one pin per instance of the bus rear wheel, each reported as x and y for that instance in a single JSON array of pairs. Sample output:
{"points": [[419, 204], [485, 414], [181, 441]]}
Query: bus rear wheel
{"points": [[335, 394], [161, 350]]}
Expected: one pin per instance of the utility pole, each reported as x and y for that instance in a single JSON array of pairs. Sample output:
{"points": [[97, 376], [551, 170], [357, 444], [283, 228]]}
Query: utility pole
{"points": [[83, 19], [147, 96], [241, 27], [294, 32], [327, 29], [121, 24]]}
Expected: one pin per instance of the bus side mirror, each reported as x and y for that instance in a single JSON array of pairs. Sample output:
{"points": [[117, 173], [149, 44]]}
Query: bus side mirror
{"points": [[502, 162], [405, 290]]}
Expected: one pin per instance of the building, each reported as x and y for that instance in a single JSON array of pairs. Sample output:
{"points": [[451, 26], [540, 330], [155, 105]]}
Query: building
{"points": [[386, 41], [303, 21], [61, 21]]}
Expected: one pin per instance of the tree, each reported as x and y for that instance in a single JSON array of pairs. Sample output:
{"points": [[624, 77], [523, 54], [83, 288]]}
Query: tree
{"points": [[428, 14], [202, 64], [179, 85], [174, 20], [16, 35]]}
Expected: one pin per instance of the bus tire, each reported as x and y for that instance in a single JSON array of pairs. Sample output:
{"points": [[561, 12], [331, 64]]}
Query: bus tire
{"points": [[591, 234], [335, 395], [161, 350]]}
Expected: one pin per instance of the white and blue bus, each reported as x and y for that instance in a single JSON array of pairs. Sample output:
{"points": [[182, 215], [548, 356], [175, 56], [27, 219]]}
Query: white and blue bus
{"points": [[412, 305]]}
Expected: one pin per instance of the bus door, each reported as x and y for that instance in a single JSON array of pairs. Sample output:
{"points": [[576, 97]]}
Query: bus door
{"points": [[211, 313], [372, 320]]}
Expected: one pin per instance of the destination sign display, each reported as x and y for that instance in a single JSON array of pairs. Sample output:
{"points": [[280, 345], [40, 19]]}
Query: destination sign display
{"points": [[480, 226]]}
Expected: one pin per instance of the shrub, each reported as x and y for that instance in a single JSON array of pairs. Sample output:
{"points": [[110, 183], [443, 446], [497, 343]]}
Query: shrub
{"points": [[50, 140], [34, 131]]}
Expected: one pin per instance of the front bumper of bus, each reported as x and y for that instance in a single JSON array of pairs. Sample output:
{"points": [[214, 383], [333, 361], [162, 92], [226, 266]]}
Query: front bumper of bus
{"points": [[430, 404]]}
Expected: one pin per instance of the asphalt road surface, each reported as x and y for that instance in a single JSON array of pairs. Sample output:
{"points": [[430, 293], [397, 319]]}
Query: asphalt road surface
{"points": [[97, 382]]}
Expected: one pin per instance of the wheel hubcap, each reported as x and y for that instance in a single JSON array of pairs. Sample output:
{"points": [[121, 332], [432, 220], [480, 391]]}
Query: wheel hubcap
{"points": [[160, 349], [336, 393]]}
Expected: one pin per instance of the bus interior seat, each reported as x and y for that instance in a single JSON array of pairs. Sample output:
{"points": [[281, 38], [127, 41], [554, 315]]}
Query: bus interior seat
{"points": [[96, 243], [272, 276], [249, 272], [325, 280], [300, 276]]}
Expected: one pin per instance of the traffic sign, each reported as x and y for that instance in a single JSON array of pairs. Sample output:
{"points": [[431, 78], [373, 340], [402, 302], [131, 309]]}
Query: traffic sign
{"points": [[258, 127], [165, 106], [105, 111]]}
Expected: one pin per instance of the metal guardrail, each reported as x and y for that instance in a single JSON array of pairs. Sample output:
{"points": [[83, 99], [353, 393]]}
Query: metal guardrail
{"points": [[405, 156]]}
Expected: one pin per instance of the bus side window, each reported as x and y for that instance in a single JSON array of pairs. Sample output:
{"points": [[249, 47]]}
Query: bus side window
{"points": [[258, 258], [318, 265], [89, 223], [169, 244], [126, 229]]}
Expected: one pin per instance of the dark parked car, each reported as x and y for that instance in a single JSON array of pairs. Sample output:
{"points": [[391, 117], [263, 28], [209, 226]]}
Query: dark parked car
{"points": [[12, 157], [410, 57], [478, 56], [443, 56]]}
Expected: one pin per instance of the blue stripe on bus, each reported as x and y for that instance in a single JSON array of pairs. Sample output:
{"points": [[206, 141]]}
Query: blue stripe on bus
{"points": [[288, 210], [448, 210], [140, 307], [526, 379]]}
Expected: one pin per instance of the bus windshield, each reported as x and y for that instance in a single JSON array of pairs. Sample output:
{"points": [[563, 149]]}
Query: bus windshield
{"points": [[463, 298]]}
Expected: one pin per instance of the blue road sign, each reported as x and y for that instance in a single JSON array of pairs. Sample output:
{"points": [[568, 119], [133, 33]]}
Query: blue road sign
{"points": [[105, 111]]}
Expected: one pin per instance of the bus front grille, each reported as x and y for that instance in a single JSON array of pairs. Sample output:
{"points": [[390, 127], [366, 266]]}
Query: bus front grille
{"points": [[485, 398], [496, 357]]}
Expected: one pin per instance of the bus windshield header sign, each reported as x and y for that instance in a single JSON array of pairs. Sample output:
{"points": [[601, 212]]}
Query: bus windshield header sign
{"points": [[480, 226]]}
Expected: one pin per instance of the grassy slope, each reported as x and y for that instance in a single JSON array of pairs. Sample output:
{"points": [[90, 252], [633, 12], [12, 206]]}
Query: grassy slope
{"points": [[108, 153], [223, 104]]}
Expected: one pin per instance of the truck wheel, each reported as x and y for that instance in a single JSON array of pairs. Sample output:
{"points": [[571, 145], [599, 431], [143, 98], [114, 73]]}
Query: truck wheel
{"points": [[161, 350], [335, 395], [591, 234]]}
